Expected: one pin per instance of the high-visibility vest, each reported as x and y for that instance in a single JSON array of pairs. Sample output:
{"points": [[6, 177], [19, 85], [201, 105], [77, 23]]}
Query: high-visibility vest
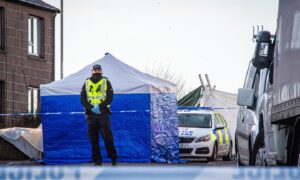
{"points": [[96, 92]]}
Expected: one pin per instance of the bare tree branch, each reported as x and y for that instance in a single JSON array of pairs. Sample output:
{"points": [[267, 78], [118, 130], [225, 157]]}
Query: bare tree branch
{"points": [[164, 72]]}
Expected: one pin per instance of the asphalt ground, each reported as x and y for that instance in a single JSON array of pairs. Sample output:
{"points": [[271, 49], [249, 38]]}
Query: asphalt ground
{"points": [[219, 162], [216, 170]]}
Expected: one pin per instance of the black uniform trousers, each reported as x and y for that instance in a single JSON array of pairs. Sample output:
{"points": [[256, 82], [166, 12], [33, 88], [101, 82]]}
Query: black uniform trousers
{"points": [[101, 123]]}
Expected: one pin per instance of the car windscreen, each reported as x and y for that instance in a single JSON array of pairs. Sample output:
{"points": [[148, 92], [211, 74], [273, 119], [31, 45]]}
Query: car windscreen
{"points": [[195, 120]]}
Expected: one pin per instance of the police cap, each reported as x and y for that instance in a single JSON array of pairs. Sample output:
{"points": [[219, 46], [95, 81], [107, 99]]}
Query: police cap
{"points": [[97, 67]]}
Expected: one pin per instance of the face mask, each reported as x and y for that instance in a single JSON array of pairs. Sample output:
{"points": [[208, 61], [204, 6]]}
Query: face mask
{"points": [[97, 74]]}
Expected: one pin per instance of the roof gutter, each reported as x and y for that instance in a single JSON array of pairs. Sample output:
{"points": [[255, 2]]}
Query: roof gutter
{"points": [[50, 9]]}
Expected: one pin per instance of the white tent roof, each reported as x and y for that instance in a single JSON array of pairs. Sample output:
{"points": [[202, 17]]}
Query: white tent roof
{"points": [[124, 79]]}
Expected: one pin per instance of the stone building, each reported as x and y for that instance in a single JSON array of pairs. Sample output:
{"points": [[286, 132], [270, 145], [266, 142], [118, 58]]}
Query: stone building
{"points": [[27, 55]]}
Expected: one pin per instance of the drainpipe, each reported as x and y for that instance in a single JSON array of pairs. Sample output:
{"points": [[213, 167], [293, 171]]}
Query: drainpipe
{"points": [[62, 39], [53, 47], [13, 91]]}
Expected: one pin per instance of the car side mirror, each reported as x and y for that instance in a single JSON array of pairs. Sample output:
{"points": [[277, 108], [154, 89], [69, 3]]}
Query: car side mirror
{"points": [[220, 126], [263, 51], [245, 97]]}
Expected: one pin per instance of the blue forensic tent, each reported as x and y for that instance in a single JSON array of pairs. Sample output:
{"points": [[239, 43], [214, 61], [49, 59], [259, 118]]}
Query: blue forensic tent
{"points": [[144, 120]]}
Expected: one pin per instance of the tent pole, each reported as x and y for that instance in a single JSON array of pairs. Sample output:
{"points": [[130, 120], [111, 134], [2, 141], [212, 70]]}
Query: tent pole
{"points": [[208, 82], [201, 80]]}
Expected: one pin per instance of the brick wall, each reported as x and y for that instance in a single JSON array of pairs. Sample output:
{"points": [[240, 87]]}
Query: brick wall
{"points": [[17, 69]]}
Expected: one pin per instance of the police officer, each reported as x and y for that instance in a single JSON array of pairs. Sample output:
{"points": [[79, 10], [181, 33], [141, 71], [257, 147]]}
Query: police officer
{"points": [[96, 97]]}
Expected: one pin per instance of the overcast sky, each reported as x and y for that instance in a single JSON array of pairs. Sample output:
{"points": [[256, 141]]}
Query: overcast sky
{"points": [[194, 36]]}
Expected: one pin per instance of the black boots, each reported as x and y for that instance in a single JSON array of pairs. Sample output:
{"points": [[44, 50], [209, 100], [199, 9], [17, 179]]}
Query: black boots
{"points": [[114, 162], [98, 163]]}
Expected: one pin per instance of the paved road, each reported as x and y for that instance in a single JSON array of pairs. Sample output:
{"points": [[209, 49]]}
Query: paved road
{"points": [[218, 162]]}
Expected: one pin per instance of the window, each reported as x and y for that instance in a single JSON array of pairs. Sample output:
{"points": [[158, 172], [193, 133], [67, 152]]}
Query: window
{"points": [[33, 100], [295, 44], [271, 73], [255, 85], [34, 36], [217, 120], [2, 30], [195, 120], [250, 76], [222, 119]]}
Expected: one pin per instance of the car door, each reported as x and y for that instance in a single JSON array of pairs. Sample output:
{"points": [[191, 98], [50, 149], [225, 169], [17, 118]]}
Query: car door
{"points": [[247, 117], [226, 133], [217, 132], [223, 143]]}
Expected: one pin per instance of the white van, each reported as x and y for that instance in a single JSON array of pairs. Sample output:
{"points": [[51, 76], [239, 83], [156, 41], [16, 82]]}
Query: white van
{"points": [[251, 127]]}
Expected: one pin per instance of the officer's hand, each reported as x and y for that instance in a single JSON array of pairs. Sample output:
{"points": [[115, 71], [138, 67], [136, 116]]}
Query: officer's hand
{"points": [[96, 110], [103, 107]]}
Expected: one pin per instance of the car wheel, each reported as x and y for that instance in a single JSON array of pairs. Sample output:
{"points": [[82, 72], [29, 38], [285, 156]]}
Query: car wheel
{"points": [[298, 155], [229, 155], [239, 163], [258, 150], [214, 153]]}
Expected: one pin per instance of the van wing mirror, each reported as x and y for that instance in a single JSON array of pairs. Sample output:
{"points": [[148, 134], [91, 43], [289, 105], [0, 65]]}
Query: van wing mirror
{"points": [[263, 50], [245, 97]]}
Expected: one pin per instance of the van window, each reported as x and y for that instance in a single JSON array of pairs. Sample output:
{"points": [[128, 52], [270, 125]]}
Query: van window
{"points": [[195, 120], [250, 76], [271, 73], [247, 74], [255, 86]]}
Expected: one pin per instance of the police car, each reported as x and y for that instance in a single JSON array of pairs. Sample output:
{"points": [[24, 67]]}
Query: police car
{"points": [[203, 133]]}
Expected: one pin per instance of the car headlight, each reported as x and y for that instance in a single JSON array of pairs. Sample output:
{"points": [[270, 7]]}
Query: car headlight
{"points": [[203, 138]]}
